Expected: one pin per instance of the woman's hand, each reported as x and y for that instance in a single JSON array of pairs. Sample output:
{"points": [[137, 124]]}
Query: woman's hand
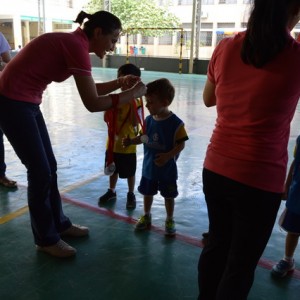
{"points": [[128, 81], [139, 89]]}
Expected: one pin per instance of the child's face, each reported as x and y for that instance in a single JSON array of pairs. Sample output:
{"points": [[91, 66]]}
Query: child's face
{"points": [[155, 105]]}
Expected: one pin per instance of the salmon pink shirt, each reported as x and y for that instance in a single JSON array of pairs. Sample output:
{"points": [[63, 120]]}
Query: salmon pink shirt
{"points": [[254, 111], [50, 57]]}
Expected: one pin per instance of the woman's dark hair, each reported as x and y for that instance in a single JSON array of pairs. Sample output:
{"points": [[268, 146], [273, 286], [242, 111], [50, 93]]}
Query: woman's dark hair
{"points": [[103, 19], [266, 34], [162, 88]]}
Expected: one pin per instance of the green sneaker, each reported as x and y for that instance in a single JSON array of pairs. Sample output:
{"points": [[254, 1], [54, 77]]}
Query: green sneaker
{"points": [[144, 222], [170, 229]]}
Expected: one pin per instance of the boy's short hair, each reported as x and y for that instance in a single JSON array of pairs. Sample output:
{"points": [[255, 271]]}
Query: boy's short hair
{"points": [[129, 69], [162, 88]]}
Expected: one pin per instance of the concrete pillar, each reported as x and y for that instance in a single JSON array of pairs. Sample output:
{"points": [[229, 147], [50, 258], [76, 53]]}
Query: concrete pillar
{"points": [[17, 31]]}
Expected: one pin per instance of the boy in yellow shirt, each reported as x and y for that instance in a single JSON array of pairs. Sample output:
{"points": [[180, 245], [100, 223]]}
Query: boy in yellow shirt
{"points": [[124, 158]]}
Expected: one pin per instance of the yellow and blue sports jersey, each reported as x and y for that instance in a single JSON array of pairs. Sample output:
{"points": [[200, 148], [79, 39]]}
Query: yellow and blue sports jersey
{"points": [[126, 125], [163, 136]]}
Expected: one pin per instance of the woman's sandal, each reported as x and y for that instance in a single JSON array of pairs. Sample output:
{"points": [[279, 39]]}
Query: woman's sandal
{"points": [[4, 181]]}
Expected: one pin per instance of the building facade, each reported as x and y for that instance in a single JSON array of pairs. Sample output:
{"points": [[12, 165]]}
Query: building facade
{"points": [[23, 20]]}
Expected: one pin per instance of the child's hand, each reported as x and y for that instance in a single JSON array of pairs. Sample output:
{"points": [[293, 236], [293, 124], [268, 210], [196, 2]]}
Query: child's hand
{"points": [[161, 159], [126, 141]]}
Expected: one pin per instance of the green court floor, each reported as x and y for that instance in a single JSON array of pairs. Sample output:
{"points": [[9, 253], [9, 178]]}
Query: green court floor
{"points": [[114, 262]]}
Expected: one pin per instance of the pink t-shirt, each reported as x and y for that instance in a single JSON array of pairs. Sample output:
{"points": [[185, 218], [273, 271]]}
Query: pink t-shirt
{"points": [[255, 108], [50, 57]]}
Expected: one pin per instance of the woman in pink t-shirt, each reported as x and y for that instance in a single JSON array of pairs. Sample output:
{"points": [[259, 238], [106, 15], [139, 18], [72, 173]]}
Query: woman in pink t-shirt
{"points": [[253, 80], [55, 57]]}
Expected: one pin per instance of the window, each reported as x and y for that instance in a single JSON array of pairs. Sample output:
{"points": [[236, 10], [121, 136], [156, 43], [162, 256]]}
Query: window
{"points": [[166, 39], [227, 1], [205, 38], [132, 39], [185, 2], [147, 40], [225, 25], [62, 26], [186, 25], [206, 25]]}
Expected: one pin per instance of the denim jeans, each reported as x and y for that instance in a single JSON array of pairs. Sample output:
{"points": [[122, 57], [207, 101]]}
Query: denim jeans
{"points": [[2, 160], [241, 219], [25, 128]]}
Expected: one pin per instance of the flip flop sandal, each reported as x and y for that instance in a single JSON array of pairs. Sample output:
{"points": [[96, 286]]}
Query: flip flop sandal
{"points": [[4, 181]]}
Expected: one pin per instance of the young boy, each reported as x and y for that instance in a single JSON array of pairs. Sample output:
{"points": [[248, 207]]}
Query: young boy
{"points": [[124, 158], [290, 218], [164, 138]]}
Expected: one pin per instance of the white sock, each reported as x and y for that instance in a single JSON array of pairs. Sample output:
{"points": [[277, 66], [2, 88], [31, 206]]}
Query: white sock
{"points": [[288, 258]]}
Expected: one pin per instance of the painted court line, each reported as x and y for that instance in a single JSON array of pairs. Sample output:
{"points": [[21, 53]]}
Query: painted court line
{"points": [[263, 263], [14, 214]]}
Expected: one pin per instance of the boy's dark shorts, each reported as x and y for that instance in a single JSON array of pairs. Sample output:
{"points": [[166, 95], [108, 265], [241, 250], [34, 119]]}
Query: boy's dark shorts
{"points": [[149, 187], [290, 222], [125, 164]]}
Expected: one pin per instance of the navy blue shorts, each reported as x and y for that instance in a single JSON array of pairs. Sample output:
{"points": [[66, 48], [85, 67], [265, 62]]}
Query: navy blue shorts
{"points": [[149, 187], [125, 164], [290, 222]]}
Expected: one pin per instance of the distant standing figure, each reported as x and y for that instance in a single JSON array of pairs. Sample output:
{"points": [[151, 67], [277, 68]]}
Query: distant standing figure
{"points": [[290, 218], [5, 58]]}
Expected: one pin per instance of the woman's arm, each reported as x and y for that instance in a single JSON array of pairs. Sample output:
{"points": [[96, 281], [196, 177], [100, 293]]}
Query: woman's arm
{"points": [[127, 81], [209, 96], [93, 102]]}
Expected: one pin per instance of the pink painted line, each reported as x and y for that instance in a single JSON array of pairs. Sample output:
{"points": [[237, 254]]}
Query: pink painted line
{"points": [[263, 263]]}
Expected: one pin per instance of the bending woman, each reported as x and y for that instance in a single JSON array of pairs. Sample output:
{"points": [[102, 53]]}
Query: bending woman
{"points": [[55, 57]]}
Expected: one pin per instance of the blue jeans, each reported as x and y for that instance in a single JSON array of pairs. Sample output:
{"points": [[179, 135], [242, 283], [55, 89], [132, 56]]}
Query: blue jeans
{"points": [[2, 161], [241, 219], [25, 128]]}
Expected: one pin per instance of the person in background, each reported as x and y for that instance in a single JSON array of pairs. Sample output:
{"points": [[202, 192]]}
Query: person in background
{"points": [[253, 80], [124, 157], [5, 58], [290, 218], [163, 140], [51, 57]]}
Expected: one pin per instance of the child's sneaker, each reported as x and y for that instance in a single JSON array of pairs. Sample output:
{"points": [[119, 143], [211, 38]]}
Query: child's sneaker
{"points": [[283, 267], [144, 222], [131, 201], [108, 196], [170, 229]]}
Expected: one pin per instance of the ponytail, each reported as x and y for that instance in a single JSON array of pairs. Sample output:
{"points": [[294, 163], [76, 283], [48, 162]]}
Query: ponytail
{"points": [[81, 17]]}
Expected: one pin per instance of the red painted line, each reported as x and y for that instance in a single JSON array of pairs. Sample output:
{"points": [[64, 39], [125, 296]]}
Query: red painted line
{"points": [[263, 263]]}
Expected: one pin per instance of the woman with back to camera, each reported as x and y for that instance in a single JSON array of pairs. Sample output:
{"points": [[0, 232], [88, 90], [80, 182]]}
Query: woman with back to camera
{"points": [[55, 57], [253, 79]]}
